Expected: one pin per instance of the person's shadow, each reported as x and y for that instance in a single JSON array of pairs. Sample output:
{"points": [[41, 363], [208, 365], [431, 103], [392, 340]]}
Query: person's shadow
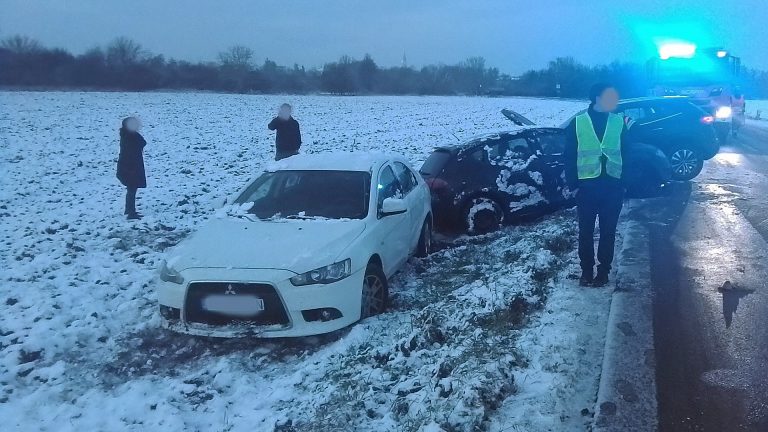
{"points": [[731, 299]]}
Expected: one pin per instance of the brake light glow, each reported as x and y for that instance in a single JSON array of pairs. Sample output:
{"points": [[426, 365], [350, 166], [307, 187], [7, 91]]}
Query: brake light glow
{"points": [[707, 120], [436, 184]]}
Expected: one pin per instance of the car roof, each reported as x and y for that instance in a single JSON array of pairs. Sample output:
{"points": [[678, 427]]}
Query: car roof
{"points": [[478, 139], [639, 100], [333, 161], [655, 99]]}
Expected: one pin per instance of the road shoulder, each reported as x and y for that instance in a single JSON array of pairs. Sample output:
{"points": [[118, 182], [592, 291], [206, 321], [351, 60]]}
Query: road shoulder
{"points": [[626, 398]]}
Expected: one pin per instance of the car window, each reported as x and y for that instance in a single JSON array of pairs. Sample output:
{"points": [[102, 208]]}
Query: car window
{"points": [[389, 186], [635, 113], [513, 153], [260, 189], [552, 143], [308, 194], [496, 150], [476, 155], [665, 110], [405, 177], [518, 148]]}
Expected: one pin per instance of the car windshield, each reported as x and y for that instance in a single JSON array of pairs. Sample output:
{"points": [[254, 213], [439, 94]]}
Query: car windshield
{"points": [[309, 194]]}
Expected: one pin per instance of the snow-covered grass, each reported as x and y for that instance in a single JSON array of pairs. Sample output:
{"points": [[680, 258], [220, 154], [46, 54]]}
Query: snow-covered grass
{"points": [[489, 333]]}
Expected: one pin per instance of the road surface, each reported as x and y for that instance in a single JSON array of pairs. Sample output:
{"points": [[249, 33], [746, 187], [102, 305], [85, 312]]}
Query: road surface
{"points": [[709, 269]]}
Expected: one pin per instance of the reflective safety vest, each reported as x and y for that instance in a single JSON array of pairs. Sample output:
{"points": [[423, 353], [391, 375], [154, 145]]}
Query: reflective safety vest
{"points": [[591, 150]]}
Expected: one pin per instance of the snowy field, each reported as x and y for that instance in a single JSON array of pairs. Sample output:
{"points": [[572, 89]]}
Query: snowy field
{"points": [[490, 333]]}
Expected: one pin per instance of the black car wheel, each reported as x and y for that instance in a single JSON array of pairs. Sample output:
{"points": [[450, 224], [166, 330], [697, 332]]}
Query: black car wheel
{"points": [[483, 215], [686, 163], [374, 300], [425, 240]]}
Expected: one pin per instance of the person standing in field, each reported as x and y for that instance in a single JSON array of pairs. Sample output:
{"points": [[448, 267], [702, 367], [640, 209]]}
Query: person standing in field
{"points": [[288, 136], [130, 163], [594, 160]]}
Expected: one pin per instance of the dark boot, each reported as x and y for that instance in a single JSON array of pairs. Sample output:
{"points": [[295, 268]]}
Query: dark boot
{"points": [[601, 279], [587, 277], [130, 201]]}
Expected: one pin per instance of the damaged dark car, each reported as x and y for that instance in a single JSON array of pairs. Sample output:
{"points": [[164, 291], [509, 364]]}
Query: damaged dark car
{"points": [[509, 176]]}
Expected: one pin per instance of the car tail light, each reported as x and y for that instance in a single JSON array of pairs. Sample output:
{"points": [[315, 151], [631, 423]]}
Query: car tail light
{"points": [[436, 184], [707, 120]]}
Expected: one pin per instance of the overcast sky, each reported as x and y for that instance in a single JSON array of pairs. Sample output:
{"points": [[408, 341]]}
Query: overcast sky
{"points": [[514, 35]]}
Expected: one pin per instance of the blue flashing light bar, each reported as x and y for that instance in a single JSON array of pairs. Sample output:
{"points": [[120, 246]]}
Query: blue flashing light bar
{"points": [[677, 50]]}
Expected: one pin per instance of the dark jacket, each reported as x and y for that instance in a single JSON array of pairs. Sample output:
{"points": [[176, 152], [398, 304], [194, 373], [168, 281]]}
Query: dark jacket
{"points": [[288, 137], [599, 121], [130, 163]]}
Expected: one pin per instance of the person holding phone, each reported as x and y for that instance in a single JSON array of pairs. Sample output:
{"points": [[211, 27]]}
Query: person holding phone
{"points": [[130, 164], [288, 135]]}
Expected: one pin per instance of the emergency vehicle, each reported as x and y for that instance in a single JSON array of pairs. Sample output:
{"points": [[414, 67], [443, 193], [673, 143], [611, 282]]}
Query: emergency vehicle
{"points": [[707, 76]]}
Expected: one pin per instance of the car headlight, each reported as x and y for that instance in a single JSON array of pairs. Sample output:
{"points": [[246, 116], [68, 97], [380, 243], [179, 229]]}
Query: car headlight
{"points": [[168, 274], [324, 275], [724, 112]]}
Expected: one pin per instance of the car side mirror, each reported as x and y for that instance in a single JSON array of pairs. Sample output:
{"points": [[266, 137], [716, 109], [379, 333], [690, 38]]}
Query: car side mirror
{"points": [[393, 206]]}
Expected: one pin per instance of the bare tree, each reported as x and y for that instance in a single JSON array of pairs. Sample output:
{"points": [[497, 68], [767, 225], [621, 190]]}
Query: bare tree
{"points": [[124, 52], [19, 44], [237, 56]]}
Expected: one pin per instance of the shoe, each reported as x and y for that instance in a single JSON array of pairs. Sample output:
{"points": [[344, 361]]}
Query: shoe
{"points": [[134, 216], [586, 278], [601, 280]]}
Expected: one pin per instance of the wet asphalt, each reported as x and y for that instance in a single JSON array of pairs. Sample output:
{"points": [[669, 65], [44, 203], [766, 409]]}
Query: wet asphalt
{"points": [[709, 271]]}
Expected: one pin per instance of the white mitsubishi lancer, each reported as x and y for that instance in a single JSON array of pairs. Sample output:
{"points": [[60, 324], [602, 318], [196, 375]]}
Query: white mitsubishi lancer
{"points": [[306, 248]]}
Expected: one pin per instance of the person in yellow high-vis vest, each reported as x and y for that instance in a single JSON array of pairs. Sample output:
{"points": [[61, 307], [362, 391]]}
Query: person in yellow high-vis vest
{"points": [[594, 159]]}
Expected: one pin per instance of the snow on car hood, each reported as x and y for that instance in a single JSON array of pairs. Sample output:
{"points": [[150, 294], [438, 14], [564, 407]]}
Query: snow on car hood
{"points": [[294, 245]]}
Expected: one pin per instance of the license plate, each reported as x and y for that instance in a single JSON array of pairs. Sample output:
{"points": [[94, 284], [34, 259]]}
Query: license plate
{"points": [[234, 305]]}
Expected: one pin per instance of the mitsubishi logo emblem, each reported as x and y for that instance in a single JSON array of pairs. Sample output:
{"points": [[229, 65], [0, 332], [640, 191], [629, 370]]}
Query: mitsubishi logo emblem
{"points": [[230, 290]]}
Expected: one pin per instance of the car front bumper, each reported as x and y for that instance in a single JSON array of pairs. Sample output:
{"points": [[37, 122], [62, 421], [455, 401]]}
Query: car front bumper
{"points": [[301, 304]]}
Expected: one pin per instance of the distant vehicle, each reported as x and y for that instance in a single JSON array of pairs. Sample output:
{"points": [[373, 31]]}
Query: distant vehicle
{"points": [[708, 76], [306, 248], [498, 178], [677, 126]]}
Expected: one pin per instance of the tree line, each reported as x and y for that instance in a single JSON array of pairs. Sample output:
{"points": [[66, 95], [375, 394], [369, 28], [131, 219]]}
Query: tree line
{"points": [[123, 64]]}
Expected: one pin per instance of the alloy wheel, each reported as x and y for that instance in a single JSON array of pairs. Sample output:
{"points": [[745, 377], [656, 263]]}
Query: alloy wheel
{"points": [[684, 162], [373, 295]]}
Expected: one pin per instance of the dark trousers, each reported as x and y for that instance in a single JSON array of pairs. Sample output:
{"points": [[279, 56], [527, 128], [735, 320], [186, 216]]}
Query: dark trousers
{"points": [[282, 154], [130, 199], [600, 201]]}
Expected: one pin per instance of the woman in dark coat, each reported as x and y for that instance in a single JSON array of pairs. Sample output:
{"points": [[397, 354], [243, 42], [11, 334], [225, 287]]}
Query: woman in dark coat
{"points": [[130, 163]]}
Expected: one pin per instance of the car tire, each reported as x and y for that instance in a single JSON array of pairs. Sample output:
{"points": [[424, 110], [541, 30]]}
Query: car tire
{"points": [[375, 293], [686, 163], [424, 247], [483, 215]]}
